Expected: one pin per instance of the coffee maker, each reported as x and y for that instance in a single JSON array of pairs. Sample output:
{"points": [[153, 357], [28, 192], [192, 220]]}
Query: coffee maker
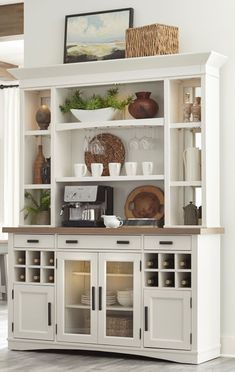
{"points": [[84, 205]]}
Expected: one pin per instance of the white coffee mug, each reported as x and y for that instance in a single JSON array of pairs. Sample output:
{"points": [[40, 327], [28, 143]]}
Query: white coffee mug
{"points": [[112, 221], [114, 169], [80, 169], [147, 168], [192, 164], [96, 169], [131, 168]]}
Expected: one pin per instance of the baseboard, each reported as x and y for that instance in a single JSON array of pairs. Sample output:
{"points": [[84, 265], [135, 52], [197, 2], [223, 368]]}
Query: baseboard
{"points": [[228, 346]]}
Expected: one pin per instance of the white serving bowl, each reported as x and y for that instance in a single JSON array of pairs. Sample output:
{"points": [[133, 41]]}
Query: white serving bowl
{"points": [[103, 114], [125, 301]]}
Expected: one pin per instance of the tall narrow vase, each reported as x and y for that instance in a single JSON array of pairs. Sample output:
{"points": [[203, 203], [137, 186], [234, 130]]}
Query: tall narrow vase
{"points": [[38, 164]]}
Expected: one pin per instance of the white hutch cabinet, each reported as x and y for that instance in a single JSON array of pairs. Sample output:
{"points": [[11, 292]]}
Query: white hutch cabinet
{"points": [[64, 282]]}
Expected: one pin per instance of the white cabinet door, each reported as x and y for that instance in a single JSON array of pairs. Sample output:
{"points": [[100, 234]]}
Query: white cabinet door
{"points": [[77, 297], [119, 299], [34, 312], [167, 319]]}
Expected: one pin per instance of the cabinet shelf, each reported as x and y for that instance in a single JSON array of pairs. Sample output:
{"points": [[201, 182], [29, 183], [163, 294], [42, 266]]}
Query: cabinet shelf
{"points": [[155, 122], [187, 125], [119, 308], [80, 273], [153, 177], [117, 274], [77, 306], [37, 186], [37, 133], [186, 183]]}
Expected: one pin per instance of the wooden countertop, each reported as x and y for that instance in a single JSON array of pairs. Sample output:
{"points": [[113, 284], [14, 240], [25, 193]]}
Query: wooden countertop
{"points": [[126, 230]]}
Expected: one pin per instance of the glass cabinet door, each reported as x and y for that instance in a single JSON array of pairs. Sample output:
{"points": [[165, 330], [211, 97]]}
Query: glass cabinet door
{"points": [[77, 278], [119, 299]]}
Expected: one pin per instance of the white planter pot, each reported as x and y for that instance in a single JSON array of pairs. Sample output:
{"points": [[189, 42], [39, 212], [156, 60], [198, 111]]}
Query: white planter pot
{"points": [[103, 114]]}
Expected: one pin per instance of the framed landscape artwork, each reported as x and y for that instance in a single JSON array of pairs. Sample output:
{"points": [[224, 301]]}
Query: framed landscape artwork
{"points": [[96, 36]]}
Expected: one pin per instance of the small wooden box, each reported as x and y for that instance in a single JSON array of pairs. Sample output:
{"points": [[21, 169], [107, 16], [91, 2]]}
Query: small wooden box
{"points": [[151, 40]]}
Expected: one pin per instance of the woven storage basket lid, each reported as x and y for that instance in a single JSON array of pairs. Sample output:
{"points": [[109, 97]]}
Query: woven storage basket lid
{"points": [[151, 40]]}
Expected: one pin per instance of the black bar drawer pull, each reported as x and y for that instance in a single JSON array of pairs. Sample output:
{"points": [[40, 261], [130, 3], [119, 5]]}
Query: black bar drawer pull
{"points": [[166, 242], [32, 241], [100, 298], [49, 313], [146, 318], [93, 298], [123, 242], [71, 241]]}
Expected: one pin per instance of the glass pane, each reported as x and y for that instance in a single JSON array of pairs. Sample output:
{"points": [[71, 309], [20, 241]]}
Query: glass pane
{"points": [[119, 299], [77, 297]]}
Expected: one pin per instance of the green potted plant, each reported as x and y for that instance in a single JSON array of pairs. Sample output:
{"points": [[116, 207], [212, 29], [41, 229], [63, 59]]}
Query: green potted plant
{"points": [[96, 107], [39, 211]]}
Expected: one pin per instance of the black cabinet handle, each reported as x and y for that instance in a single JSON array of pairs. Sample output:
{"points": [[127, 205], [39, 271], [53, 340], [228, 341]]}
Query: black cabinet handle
{"points": [[100, 298], [123, 242], [71, 241], [166, 242], [146, 318], [93, 298], [32, 241], [49, 313]]}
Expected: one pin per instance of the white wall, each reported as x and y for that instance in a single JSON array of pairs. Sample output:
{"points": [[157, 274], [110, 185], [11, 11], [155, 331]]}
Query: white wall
{"points": [[204, 25]]}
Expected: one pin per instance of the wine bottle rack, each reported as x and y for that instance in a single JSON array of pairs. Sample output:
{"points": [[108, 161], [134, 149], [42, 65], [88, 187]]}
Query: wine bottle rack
{"points": [[167, 270], [34, 266]]}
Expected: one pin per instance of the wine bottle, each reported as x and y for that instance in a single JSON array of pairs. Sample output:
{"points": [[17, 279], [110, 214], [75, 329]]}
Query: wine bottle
{"points": [[152, 282], [185, 282], [21, 260], [168, 264], [185, 264], [51, 278], [151, 263], [169, 282], [36, 261], [22, 277], [51, 261], [36, 278]]}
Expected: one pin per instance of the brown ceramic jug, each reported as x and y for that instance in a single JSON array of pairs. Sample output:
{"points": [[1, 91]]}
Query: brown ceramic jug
{"points": [[143, 106]]}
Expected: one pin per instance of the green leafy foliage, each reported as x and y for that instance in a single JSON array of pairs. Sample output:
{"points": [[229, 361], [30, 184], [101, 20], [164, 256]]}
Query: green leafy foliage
{"points": [[96, 101], [33, 206]]}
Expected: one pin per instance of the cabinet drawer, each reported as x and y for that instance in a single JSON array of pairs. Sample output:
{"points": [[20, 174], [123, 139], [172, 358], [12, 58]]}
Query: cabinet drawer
{"points": [[176, 243], [34, 241], [99, 241]]}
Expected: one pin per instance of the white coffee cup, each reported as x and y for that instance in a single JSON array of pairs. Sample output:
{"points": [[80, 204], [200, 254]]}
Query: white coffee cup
{"points": [[112, 221], [96, 169], [114, 169], [147, 168], [131, 168], [80, 169], [192, 164]]}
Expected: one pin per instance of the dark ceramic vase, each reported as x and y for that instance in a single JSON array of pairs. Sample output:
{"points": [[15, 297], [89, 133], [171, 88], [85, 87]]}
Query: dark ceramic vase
{"points": [[143, 106], [46, 171], [43, 117]]}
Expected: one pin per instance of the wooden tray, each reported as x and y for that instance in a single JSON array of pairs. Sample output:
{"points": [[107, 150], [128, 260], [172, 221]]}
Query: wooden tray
{"points": [[114, 152], [145, 202]]}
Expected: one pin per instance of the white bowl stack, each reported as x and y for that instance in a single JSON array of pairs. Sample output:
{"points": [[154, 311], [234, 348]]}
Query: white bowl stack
{"points": [[125, 297]]}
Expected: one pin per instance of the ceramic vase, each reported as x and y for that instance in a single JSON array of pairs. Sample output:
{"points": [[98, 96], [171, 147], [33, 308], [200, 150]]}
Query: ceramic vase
{"points": [[196, 109], [43, 117], [37, 168], [143, 106]]}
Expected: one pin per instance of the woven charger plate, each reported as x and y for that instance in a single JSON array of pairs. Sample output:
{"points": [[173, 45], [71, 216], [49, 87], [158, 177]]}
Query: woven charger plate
{"points": [[145, 202], [114, 152]]}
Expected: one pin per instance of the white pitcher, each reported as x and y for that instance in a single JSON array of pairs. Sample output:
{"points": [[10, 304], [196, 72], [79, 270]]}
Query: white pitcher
{"points": [[192, 164]]}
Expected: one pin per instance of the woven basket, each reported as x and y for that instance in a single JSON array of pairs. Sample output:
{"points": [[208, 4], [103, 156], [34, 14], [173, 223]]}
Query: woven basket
{"points": [[119, 326], [151, 40]]}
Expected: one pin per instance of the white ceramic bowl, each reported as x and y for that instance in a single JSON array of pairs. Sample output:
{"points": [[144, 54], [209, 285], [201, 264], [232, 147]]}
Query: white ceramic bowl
{"points": [[125, 301], [103, 114]]}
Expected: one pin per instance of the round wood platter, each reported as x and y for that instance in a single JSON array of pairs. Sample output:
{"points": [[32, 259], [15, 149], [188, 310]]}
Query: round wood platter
{"points": [[145, 202], [114, 152]]}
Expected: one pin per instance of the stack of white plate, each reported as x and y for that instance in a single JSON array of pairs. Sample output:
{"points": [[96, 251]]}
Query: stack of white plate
{"points": [[111, 298], [125, 298]]}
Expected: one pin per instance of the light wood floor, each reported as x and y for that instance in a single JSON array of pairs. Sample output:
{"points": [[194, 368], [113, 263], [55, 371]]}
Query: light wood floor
{"points": [[29, 361]]}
